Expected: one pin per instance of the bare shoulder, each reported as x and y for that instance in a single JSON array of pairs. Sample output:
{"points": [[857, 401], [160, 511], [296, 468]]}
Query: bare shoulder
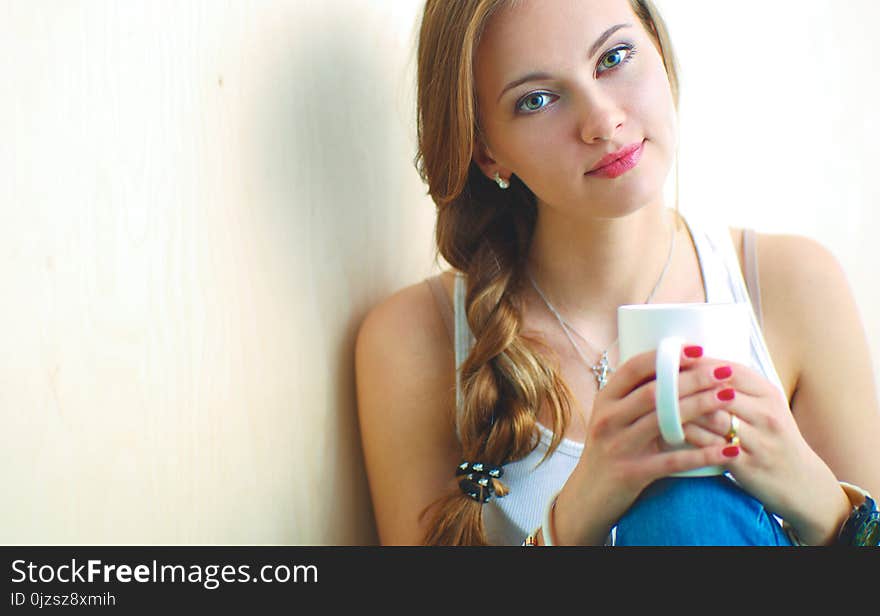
{"points": [[407, 319], [793, 248], [790, 260], [806, 293], [802, 279], [797, 262], [405, 380]]}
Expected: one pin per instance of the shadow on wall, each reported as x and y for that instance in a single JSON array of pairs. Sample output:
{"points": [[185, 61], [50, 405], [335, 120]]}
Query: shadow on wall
{"points": [[330, 162]]}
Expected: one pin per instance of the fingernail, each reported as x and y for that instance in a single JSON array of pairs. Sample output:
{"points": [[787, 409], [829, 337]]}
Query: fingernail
{"points": [[693, 351], [723, 372], [730, 452], [725, 395]]}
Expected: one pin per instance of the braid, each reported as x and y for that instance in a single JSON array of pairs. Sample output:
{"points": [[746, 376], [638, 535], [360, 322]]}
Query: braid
{"points": [[485, 233], [503, 380]]}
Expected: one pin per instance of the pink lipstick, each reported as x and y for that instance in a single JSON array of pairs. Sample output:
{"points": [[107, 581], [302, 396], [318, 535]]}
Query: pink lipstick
{"points": [[617, 163]]}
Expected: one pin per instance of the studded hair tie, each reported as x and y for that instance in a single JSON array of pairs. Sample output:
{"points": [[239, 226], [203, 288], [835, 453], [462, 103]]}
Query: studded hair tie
{"points": [[477, 480]]}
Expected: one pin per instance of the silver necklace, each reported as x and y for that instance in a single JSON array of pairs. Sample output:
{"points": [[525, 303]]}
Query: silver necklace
{"points": [[601, 369]]}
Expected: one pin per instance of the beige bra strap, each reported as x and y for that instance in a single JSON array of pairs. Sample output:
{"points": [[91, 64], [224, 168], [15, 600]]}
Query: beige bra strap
{"points": [[750, 264]]}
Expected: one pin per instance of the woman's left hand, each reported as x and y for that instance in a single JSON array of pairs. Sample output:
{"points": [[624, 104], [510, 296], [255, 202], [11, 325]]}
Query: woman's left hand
{"points": [[775, 464]]}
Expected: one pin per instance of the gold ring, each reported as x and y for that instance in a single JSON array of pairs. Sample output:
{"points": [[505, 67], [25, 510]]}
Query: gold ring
{"points": [[732, 434]]}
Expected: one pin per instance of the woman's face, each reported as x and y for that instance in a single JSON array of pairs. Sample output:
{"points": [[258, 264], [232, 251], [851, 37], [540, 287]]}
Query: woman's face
{"points": [[555, 96]]}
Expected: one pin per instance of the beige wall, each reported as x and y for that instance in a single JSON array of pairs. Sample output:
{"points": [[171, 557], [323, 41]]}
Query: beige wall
{"points": [[200, 202], [201, 199]]}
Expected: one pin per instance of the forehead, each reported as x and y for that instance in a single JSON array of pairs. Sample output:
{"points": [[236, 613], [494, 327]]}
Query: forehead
{"points": [[542, 34]]}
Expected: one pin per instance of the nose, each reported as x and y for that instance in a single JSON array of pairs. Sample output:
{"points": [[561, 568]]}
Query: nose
{"points": [[600, 119]]}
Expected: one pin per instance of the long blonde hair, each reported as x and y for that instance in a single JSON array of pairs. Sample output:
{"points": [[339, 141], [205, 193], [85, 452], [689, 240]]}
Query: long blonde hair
{"points": [[485, 233]]}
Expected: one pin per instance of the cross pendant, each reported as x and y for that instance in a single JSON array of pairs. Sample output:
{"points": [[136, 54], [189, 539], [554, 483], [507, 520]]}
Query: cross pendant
{"points": [[602, 371]]}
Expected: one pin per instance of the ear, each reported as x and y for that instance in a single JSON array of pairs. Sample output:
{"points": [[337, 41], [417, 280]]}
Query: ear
{"points": [[485, 160]]}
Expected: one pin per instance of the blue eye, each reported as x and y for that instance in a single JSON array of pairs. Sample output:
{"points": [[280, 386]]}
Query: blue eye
{"points": [[534, 101], [628, 52]]}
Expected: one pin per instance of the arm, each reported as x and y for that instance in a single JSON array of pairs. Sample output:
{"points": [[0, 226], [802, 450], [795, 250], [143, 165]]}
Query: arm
{"points": [[835, 399], [404, 369]]}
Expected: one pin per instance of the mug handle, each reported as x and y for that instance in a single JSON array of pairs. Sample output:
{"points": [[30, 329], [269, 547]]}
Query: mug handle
{"points": [[666, 395]]}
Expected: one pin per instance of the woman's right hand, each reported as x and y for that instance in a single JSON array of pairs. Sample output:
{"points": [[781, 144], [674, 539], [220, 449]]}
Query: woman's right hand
{"points": [[624, 451]]}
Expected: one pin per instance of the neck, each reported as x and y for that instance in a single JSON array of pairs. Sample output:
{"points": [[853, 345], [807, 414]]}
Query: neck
{"points": [[587, 268]]}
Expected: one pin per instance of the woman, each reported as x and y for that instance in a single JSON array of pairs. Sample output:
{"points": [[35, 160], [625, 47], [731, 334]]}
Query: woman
{"points": [[521, 105]]}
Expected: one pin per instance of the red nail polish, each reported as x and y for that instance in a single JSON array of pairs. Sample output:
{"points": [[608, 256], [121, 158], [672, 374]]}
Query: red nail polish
{"points": [[731, 452], [723, 372], [726, 395], [693, 351]]}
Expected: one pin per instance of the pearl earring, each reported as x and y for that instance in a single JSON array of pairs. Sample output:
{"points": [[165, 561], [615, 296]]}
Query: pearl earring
{"points": [[502, 183]]}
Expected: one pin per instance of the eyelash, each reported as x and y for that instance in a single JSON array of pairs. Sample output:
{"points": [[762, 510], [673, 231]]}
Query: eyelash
{"points": [[631, 51]]}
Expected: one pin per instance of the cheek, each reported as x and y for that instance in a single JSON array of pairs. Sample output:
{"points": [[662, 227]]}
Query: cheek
{"points": [[546, 153], [662, 103], [653, 105], [549, 138]]}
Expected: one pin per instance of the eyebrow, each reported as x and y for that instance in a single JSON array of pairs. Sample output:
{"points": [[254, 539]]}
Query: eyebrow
{"points": [[541, 75]]}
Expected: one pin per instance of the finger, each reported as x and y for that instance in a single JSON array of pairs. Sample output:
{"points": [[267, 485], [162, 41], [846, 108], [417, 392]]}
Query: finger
{"points": [[747, 380], [708, 428], [706, 402], [717, 422], [756, 410], [706, 374], [753, 425], [699, 436], [700, 416], [668, 462], [622, 414], [630, 375], [748, 439], [640, 406], [641, 368]]}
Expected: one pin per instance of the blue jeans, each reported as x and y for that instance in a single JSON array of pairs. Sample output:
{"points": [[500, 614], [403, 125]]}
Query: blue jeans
{"points": [[698, 511]]}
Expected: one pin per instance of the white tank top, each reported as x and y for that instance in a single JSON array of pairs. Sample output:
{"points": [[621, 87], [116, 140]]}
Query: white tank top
{"points": [[510, 519]]}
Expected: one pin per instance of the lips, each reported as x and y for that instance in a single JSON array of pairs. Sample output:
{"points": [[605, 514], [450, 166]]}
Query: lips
{"points": [[615, 156]]}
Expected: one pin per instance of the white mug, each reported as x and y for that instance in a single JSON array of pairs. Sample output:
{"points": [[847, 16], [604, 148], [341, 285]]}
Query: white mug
{"points": [[721, 329]]}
